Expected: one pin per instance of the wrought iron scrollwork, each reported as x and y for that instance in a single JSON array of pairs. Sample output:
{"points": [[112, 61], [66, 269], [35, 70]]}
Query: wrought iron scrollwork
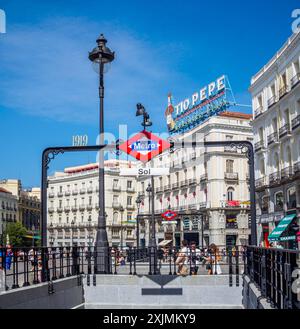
{"points": [[245, 149], [50, 155]]}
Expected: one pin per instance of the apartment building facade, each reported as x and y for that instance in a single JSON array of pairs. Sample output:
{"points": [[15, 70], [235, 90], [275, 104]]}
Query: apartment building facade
{"points": [[275, 92], [73, 207], [207, 187]]}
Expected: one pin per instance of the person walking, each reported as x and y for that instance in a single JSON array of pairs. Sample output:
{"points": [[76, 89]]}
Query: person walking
{"points": [[8, 258], [213, 260], [2, 270], [194, 258], [182, 259]]}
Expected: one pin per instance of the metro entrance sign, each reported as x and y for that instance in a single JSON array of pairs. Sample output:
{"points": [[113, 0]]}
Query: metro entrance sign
{"points": [[145, 146], [169, 215]]}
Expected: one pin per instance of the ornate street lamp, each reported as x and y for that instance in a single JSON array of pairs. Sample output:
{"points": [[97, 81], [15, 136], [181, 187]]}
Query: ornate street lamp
{"points": [[72, 227], [146, 118], [121, 209], [101, 55]]}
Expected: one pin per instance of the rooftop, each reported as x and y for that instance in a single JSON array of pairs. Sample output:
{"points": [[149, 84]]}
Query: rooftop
{"points": [[238, 115]]}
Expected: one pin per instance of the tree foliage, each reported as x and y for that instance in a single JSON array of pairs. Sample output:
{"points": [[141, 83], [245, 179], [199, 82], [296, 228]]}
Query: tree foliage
{"points": [[16, 233]]}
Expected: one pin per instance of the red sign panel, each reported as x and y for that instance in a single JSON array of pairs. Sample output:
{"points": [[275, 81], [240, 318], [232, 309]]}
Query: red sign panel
{"points": [[145, 146], [169, 215]]}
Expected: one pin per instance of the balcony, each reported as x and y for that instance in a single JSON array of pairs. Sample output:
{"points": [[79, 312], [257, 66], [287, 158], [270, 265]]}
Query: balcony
{"points": [[230, 149], [116, 205], [258, 112], [192, 206], [51, 210], [67, 208], [82, 207], [116, 188], [184, 183], [130, 190], [204, 205], [74, 208], [273, 138], [259, 146], [60, 210], [295, 80], [89, 207], [271, 101], [159, 189], [67, 193], [75, 192], [192, 181], [167, 188], [296, 122], [231, 176], [203, 178], [274, 179], [90, 190], [285, 131], [261, 184], [286, 173], [175, 186], [283, 91], [82, 191], [130, 207], [60, 194], [51, 195]]}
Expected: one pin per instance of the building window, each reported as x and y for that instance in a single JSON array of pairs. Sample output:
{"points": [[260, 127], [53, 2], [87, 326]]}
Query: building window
{"points": [[279, 201], [291, 198], [115, 183], [115, 217], [230, 194], [265, 205], [129, 200], [129, 184], [229, 166]]}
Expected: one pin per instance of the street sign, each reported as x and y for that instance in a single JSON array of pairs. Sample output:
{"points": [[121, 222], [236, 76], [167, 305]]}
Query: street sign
{"points": [[169, 215], [144, 171], [145, 146]]}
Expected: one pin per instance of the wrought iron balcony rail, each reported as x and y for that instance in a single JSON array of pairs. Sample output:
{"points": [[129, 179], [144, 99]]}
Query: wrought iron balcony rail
{"points": [[259, 146], [258, 112], [31, 266], [271, 270], [296, 122], [271, 101], [286, 173], [273, 138], [261, 183], [230, 149], [274, 178], [231, 176], [295, 80], [285, 130], [283, 91]]}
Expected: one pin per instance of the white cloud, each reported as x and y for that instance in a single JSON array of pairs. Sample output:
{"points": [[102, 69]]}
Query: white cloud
{"points": [[45, 71]]}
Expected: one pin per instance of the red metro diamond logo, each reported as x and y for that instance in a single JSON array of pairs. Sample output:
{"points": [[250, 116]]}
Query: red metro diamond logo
{"points": [[145, 146], [169, 215]]}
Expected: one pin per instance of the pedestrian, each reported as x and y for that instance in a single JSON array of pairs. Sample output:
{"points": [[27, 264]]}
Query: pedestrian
{"points": [[213, 260], [182, 259], [2, 270], [8, 258], [194, 258]]}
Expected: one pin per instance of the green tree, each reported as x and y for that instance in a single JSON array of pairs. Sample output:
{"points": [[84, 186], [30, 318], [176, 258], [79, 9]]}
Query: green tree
{"points": [[16, 233]]}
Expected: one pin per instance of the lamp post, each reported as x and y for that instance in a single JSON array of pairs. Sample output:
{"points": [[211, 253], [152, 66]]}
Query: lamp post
{"points": [[121, 211], [72, 227], [138, 201], [149, 191], [101, 55], [89, 231]]}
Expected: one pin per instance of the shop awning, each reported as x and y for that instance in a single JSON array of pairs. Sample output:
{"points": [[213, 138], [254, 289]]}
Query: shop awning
{"points": [[164, 243], [281, 227]]}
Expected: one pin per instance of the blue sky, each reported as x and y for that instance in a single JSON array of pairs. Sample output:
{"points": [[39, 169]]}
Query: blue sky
{"points": [[48, 87]]}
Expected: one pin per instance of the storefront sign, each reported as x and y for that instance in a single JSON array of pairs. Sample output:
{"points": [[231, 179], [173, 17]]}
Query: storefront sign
{"points": [[204, 103]]}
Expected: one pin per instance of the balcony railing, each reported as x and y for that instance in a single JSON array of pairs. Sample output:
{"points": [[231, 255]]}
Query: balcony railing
{"points": [[67, 193], [175, 186], [203, 178], [90, 190], [116, 205], [130, 189], [259, 146], [116, 188], [282, 91], [89, 207], [261, 183], [51, 195], [296, 122], [273, 138], [274, 178], [159, 189], [258, 112], [67, 208], [204, 205], [271, 101], [184, 183], [231, 176], [130, 207], [297, 168], [295, 80], [192, 206], [75, 192], [285, 130], [51, 210], [60, 210], [230, 149], [193, 156], [60, 194], [82, 191], [74, 208], [192, 181], [167, 188], [286, 173]]}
